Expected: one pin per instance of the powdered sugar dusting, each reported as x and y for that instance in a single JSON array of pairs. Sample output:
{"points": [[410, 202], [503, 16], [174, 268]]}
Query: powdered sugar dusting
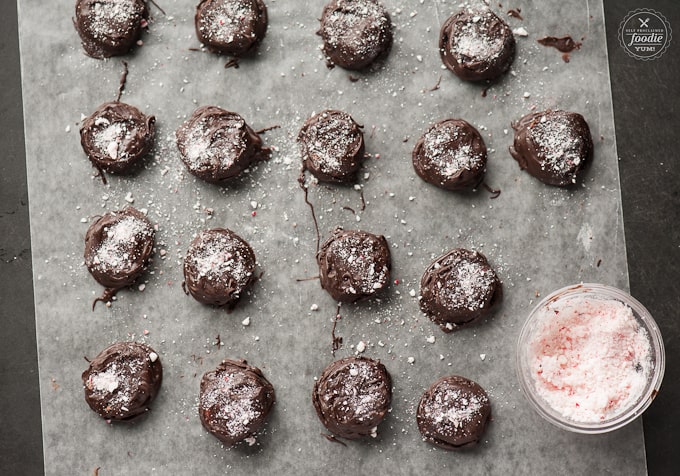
{"points": [[119, 242], [590, 359]]}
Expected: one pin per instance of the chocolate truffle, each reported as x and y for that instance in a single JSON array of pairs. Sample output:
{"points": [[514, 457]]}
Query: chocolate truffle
{"points": [[458, 288], [354, 264], [451, 155], [231, 27], [453, 413], [110, 27], [355, 32], [332, 146], [117, 136], [553, 146], [352, 396], [217, 145], [476, 45], [234, 401], [122, 381], [118, 246], [219, 267]]}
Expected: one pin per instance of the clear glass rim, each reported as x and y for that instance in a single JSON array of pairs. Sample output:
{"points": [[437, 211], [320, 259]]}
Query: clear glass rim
{"points": [[646, 320]]}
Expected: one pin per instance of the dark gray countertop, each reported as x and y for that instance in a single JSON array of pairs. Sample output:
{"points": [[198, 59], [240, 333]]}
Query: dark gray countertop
{"points": [[644, 107], [21, 438], [646, 104]]}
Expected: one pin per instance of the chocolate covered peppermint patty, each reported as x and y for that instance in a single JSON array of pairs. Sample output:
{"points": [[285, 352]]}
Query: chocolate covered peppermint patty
{"points": [[553, 146], [231, 27], [352, 396], [451, 154], [110, 27], [453, 413], [355, 32], [476, 44], [458, 288], [332, 146], [219, 267], [234, 401], [118, 246], [121, 382], [217, 145], [354, 265], [117, 136]]}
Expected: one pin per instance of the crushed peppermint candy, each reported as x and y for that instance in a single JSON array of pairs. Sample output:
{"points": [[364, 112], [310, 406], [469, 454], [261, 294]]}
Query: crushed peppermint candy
{"points": [[112, 20], [108, 140], [358, 392], [448, 152], [455, 408], [470, 283], [118, 247], [479, 38], [219, 259], [233, 402], [118, 383], [590, 359], [224, 21], [331, 141], [358, 28], [203, 146], [357, 252], [559, 141]]}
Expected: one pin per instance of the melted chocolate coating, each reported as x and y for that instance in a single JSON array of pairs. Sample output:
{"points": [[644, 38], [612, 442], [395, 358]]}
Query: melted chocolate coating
{"points": [[355, 32], [217, 145], [231, 27], [451, 154], [352, 396], [219, 267], [117, 136], [234, 401], [354, 265], [476, 45], [565, 44], [110, 27], [553, 146], [453, 413], [332, 146], [122, 381], [118, 246], [459, 288]]}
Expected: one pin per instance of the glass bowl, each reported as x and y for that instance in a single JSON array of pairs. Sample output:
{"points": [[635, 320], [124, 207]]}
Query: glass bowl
{"points": [[580, 299]]}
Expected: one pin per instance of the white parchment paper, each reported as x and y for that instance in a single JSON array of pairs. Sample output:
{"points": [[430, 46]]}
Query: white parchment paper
{"points": [[538, 238]]}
